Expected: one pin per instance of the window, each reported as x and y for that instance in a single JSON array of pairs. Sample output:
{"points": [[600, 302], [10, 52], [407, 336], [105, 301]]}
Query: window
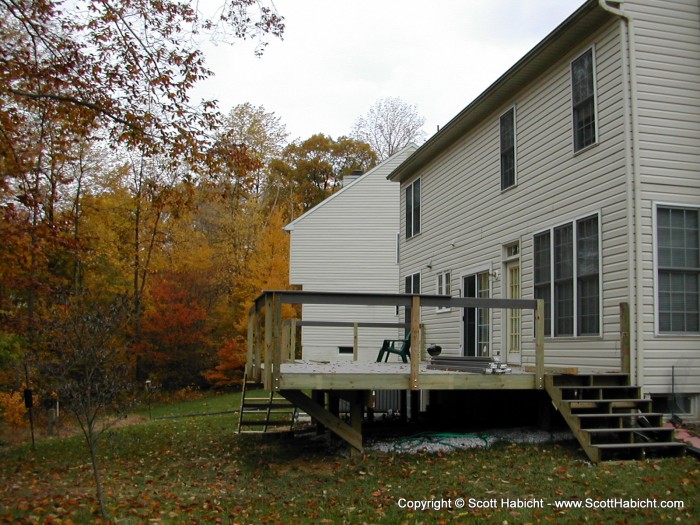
{"points": [[444, 287], [346, 350], [413, 209], [507, 128], [678, 266], [567, 277], [583, 100]]}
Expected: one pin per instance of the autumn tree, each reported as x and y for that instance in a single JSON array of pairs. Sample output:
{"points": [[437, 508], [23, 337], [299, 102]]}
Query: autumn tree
{"points": [[80, 357], [110, 72], [174, 347], [263, 134], [389, 125], [127, 67], [312, 170]]}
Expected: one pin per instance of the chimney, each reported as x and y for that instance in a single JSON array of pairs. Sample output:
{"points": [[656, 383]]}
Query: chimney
{"points": [[352, 177]]}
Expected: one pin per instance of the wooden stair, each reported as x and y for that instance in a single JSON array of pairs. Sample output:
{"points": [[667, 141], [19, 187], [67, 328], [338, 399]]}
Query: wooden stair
{"points": [[610, 418], [264, 412]]}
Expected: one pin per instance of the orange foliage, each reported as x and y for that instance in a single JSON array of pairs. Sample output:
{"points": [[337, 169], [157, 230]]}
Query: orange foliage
{"points": [[12, 406], [174, 348], [229, 371]]}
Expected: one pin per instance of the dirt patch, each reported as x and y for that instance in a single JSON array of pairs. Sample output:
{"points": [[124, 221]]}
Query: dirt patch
{"points": [[11, 436]]}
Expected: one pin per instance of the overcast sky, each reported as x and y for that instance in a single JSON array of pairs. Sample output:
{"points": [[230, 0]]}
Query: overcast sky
{"points": [[339, 57]]}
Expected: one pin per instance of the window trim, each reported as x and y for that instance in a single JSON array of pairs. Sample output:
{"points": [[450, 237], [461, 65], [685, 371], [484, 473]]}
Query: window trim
{"points": [[655, 247], [573, 222], [444, 274], [596, 131], [515, 147], [411, 234]]}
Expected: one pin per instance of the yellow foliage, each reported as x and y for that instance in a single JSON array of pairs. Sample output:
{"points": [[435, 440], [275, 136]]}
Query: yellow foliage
{"points": [[12, 407]]}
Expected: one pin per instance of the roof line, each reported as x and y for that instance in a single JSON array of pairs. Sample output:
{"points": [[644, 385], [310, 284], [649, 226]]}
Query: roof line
{"points": [[528, 65], [290, 226]]}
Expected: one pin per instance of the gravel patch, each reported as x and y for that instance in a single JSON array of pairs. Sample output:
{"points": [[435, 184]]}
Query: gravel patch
{"points": [[445, 442]]}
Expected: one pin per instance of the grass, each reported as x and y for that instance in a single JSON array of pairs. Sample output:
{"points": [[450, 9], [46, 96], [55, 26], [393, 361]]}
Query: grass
{"points": [[197, 470], [205, 404]]}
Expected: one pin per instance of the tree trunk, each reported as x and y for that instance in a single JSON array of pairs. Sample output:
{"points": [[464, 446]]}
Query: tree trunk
{"points": [[92, 445]]}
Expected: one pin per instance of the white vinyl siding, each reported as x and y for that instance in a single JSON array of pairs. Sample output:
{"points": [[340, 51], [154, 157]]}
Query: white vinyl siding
{"points": [[647, 131], [667, 45], [466, 218], [347, 244]]}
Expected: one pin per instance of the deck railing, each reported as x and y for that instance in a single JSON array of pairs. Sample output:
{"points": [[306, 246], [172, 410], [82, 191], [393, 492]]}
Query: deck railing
{"points": [[270, 343]]}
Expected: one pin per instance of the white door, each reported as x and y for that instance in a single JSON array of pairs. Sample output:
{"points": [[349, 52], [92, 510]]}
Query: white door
{"points": [[513, 317]]}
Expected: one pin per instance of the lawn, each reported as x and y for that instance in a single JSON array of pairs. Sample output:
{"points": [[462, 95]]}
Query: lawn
{"points": [[197, 470]]}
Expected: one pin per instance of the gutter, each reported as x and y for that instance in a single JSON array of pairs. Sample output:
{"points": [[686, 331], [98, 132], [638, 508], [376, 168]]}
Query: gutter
{"points": [[634, 198]]}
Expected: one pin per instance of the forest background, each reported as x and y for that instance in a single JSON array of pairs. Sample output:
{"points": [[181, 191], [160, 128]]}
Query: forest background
{"points": [[116, 187]]}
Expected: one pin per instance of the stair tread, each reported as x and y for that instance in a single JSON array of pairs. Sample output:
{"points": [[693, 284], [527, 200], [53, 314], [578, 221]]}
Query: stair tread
{"points": [[621, 414], [591, 387], [624, 400], [651, 444], [267, 405], [270, 423], [626, 429]]}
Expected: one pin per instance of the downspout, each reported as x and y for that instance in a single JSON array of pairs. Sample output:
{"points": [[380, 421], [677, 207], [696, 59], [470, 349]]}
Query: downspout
{"points": [[634, 230]]}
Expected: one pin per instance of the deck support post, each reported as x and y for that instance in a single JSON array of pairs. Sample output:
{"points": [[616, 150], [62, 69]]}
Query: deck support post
{"points": [[332, 422], [539, 345], [319, 397], [415, 342], [355, 342], [356, 410], [625, 364]]}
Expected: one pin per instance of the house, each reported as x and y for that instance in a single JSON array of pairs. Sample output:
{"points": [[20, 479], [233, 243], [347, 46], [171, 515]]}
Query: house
{"points": [[347, 243], [574, 178]]}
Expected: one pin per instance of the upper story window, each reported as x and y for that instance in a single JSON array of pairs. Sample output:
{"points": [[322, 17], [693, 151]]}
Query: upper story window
{"points": [[678, 267], [413, 209], [567, 277], [583, 100], [507, 132]]}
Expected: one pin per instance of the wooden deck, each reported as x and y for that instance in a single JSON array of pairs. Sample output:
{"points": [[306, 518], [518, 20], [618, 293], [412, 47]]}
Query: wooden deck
{"points": [[317, 387]]}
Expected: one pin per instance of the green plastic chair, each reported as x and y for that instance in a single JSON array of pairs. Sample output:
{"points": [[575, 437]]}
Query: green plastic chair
{"points": [[400, 347]]}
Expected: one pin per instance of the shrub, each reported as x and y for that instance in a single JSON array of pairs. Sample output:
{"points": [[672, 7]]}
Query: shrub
{"points": [[12, 408]]}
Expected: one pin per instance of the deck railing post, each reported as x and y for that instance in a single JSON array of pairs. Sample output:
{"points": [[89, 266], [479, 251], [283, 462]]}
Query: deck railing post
{"points": [[415, 342], [251, 344], [276, 341], [539, 344], [292, 339], [625, 364], [286, 338], [257, 345], [269, 322]]}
